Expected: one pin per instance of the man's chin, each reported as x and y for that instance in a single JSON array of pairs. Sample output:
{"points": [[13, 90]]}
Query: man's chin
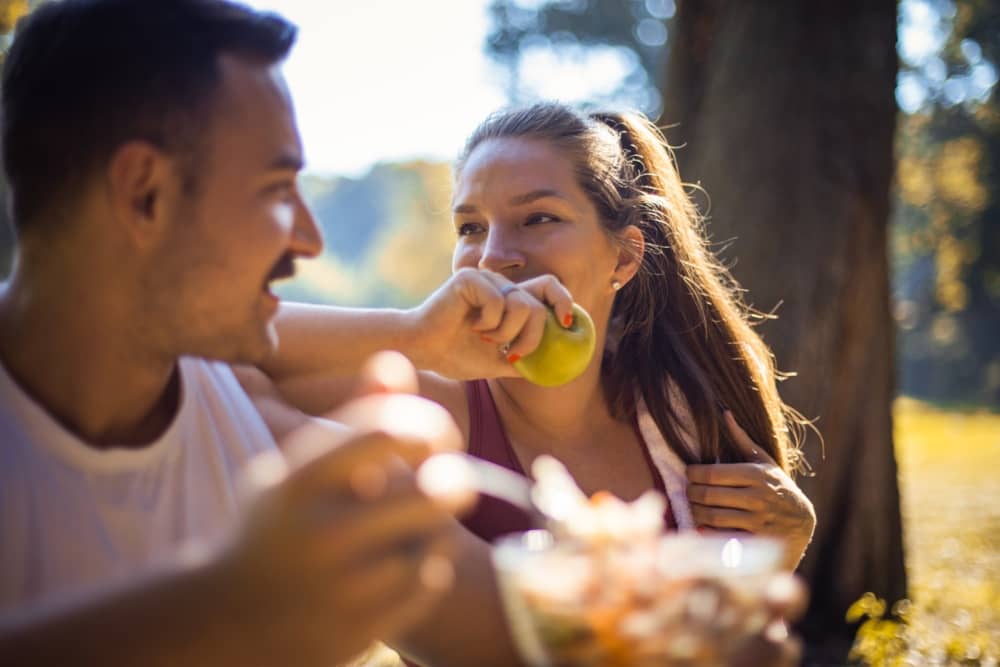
{"points": [[270, 340], [252, 349], [262, 346]]}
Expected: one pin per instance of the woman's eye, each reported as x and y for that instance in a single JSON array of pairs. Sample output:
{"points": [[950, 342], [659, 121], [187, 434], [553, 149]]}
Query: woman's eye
{"points": [[469, 228], [541, 218]]}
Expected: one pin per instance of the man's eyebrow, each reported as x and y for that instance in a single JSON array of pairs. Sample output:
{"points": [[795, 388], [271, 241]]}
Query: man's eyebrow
{"points": [[517, 200], [288, 161]]}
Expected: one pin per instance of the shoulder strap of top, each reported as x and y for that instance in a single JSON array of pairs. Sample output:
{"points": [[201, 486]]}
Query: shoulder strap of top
{"points": [[487, 436], [667, 462]]}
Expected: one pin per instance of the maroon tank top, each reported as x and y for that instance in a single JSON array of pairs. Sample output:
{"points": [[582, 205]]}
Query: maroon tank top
{"points": [[488, 440]]}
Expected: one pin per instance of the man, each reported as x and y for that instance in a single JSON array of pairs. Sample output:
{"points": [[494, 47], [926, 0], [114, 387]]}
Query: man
{"points": [[151, 152]]}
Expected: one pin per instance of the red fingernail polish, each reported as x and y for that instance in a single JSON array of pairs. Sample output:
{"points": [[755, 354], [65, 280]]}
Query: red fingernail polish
{"points": [[486, 339], [568, 320], [513, 357]]}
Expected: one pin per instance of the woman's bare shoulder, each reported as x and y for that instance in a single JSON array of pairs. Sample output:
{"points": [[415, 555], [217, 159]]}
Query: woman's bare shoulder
{"points": [[450, 394]]}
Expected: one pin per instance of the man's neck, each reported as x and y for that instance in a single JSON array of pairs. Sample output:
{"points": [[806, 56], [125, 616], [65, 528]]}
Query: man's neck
{"points": [[70, 345]]}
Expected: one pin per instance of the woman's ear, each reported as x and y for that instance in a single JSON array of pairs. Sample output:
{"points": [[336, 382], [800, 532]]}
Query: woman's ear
{"points": [[631, 246]]}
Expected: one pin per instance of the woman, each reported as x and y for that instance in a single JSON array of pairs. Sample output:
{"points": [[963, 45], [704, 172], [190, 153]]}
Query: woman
{"points": [[551, 203]]}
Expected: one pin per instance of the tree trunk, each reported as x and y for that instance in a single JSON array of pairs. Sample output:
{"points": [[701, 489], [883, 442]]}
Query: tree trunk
{"points": [[786, 114]]}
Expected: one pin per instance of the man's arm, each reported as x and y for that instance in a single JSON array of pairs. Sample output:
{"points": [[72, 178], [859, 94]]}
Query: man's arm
{"points": [[174, 618], [467, 626], [318, 570]]}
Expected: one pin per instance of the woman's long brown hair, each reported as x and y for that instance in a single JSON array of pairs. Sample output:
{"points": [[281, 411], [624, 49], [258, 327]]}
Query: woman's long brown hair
{"points": [[681, 320]]}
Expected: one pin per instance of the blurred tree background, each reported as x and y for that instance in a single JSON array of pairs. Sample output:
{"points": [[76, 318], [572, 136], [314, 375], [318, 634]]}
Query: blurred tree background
{"points": [[946, 231]]}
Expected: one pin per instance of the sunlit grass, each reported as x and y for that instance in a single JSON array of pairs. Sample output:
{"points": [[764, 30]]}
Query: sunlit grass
{"points": [[949, 463]]}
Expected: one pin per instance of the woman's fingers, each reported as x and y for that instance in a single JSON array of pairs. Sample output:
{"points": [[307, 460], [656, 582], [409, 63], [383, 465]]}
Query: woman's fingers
{"points": [[522, 324], [757, 496], [519, 309], [721, 518], [527, 339], [482, 294], [512, 315], [743, 498], [550, 291], [767, 499], [727, 474]]}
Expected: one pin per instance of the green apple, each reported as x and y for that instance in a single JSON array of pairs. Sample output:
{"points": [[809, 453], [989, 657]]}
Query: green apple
{"points": [[563, 354]]}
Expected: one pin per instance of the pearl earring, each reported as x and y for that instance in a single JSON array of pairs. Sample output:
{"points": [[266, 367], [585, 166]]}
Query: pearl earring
{"points": [[616, 285]]}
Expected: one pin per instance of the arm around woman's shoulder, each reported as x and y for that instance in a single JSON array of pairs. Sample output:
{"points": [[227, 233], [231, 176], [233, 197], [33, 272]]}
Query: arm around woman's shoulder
{"points": [[321, 349]]}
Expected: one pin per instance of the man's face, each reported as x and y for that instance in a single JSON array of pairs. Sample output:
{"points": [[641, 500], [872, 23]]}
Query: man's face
{"points": [[243, 226]]}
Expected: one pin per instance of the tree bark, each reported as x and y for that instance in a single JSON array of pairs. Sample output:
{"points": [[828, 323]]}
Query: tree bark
{"points": [[786, 114]]}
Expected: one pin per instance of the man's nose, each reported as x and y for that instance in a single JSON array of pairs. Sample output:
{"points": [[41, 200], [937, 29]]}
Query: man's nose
{"points": [[307, 240]]}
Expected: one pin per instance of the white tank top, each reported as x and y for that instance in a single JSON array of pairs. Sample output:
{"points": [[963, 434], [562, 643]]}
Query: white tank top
{"points": [[74, 518]]}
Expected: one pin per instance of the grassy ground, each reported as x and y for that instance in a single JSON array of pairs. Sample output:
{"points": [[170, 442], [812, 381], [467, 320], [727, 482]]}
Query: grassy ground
{"points": [[949, 464]]}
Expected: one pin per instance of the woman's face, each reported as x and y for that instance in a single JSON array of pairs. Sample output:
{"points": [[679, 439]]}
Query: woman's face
{"points": [[519, 211]]}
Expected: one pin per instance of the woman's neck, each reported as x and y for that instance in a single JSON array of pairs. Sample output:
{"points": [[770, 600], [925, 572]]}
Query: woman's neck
{"points": [[574, 424], [573, 413]]}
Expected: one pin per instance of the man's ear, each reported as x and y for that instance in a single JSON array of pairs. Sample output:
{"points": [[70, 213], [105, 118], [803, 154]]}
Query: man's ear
{"points": [[140, 179], [631, 246]]}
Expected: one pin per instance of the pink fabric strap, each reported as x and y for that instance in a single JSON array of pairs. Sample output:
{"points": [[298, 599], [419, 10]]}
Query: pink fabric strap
{"points": [[667, 462]]}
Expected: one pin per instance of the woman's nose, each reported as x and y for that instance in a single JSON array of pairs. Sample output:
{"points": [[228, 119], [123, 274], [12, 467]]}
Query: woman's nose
{"points": [[500, 254]]}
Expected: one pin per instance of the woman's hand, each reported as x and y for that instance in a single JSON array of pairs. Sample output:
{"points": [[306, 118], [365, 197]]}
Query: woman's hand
{"points": [[757, 497], [478, 323]]}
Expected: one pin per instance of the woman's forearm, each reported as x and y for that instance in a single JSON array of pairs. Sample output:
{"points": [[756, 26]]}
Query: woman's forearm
{"points": [[333, 340]]}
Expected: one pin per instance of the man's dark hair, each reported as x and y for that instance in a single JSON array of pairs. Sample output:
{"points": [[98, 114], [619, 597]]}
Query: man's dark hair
{"points": [[82, 77]]}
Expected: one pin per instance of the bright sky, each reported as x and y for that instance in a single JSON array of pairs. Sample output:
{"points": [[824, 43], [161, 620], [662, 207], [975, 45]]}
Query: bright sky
{"points": [[387, 79]]}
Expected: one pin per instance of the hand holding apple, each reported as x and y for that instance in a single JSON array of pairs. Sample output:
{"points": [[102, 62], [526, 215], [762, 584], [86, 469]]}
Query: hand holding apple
{"points": [[458, 330], [563, 353]]}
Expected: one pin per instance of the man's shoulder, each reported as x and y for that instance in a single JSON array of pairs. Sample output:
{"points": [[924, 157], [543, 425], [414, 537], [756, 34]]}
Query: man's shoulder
{"points": [[201, 371], [213, 383], [212, 388]]}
